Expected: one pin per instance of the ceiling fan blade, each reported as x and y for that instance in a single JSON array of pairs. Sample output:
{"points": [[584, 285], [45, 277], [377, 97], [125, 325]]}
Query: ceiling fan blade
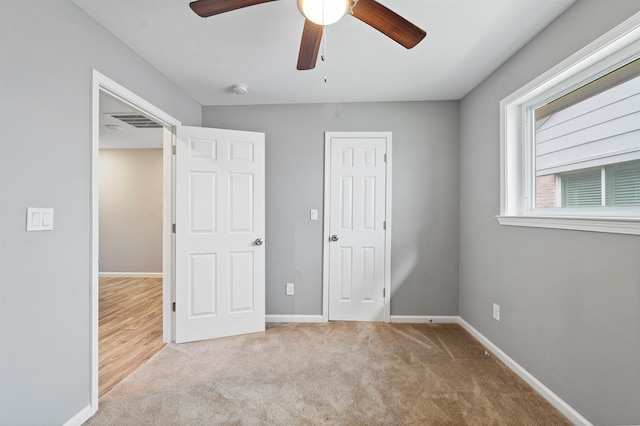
{"points": [[309, 46], [388, 23], [205, 8]]}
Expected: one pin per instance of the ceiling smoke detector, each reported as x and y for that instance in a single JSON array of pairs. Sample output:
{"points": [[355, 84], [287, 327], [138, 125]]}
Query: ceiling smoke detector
{"points": [[240, 89]]}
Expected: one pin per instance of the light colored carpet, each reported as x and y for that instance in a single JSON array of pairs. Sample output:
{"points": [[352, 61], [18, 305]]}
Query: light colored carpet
{"points": [[336, 374]]}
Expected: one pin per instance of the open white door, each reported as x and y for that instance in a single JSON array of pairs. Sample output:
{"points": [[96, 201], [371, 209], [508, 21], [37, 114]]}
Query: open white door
{"points": [[220, 227], [357, 211]]}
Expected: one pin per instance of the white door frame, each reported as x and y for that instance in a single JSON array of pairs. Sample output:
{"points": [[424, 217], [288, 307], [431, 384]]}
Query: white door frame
{"points": [[103, 84], [327, 215]]}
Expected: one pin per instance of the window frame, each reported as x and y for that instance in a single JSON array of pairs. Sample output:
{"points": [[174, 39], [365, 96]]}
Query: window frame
{"points": [[616, 48]]}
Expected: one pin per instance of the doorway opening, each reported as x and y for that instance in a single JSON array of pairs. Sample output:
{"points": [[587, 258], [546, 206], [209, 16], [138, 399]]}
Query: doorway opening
{"points": [[213, 182], [110, 97], [130, 240]]}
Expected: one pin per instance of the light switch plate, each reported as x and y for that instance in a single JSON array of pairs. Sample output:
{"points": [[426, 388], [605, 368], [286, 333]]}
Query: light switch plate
{"points": [[39, 219], [314, 214]]}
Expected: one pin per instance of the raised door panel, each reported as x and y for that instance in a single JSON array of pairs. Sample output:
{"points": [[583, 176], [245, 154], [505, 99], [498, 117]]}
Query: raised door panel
{"points": [[241, 202], [369, 203], [346, 203], [203, 202], [202, 285], [241, 281]]}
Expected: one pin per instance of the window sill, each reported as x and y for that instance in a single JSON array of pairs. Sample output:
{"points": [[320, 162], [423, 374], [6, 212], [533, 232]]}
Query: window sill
{"points": [[592, 224]]}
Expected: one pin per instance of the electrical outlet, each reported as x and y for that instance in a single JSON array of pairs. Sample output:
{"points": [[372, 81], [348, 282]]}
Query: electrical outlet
{"points": [[496, 312], [290, 289]]}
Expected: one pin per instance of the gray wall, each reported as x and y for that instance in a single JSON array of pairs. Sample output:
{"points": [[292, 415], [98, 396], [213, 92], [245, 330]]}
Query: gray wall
{"points": [[570, 300], [47, 51], [425, 237], [131, 210]]}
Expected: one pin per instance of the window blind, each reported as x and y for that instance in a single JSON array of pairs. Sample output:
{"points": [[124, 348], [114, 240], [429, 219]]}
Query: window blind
{"points": [[623, 184], [582, 189]]}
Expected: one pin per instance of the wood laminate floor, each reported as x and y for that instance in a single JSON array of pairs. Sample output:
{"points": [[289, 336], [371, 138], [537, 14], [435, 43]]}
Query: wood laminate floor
{"points": [[130, 327]]}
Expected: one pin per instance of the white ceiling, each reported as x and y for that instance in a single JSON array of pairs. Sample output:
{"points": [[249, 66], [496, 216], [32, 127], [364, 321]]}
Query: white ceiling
{"points": [[125, 136], [258, 46]]}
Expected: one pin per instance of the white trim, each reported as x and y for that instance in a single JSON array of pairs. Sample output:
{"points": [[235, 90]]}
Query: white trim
{"points": [[327, 215], [101, 83], [325, 232], [575, 417], [168, 237], [81, 417], [294, 318], [387, 237], [425, 319], [614, 49], [609, 225], [130, 274]]}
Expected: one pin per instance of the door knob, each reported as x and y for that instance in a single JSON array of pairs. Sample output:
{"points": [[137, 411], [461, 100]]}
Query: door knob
{"points": [[334, 238], [259, 242]]}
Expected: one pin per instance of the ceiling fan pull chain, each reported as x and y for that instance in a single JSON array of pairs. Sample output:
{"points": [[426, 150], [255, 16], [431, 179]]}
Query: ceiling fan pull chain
{"points": [[324, 44], [324, 53]]}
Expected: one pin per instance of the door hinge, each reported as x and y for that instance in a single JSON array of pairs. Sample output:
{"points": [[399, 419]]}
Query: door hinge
{"points": [[385, 158], [173, 149], [173, 228], [384, 225], [384, 293], [173, 306]]}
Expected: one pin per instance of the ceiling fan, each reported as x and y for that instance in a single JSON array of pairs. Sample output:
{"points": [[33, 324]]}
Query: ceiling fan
{"points": [[319, 13]]}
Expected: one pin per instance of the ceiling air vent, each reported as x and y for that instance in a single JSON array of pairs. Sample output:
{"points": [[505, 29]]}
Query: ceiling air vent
{"points": [[137, 120]]}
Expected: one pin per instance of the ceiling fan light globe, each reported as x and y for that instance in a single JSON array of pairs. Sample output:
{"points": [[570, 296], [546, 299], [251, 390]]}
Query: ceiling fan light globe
{"points": [[323, 12]]}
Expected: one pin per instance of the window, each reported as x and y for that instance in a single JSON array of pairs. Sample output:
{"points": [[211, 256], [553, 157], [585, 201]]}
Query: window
{"points": [[570, 141]]}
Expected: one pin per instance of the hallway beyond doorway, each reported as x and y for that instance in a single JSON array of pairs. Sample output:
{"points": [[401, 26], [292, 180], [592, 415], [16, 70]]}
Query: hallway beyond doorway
{"points": [[130, 327]]}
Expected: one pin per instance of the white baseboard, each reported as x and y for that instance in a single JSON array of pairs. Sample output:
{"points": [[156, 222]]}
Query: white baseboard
{"points": [[425, 319], [80, 418], [575, 417], [414, 319], [294, 318], [130, 274]]}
